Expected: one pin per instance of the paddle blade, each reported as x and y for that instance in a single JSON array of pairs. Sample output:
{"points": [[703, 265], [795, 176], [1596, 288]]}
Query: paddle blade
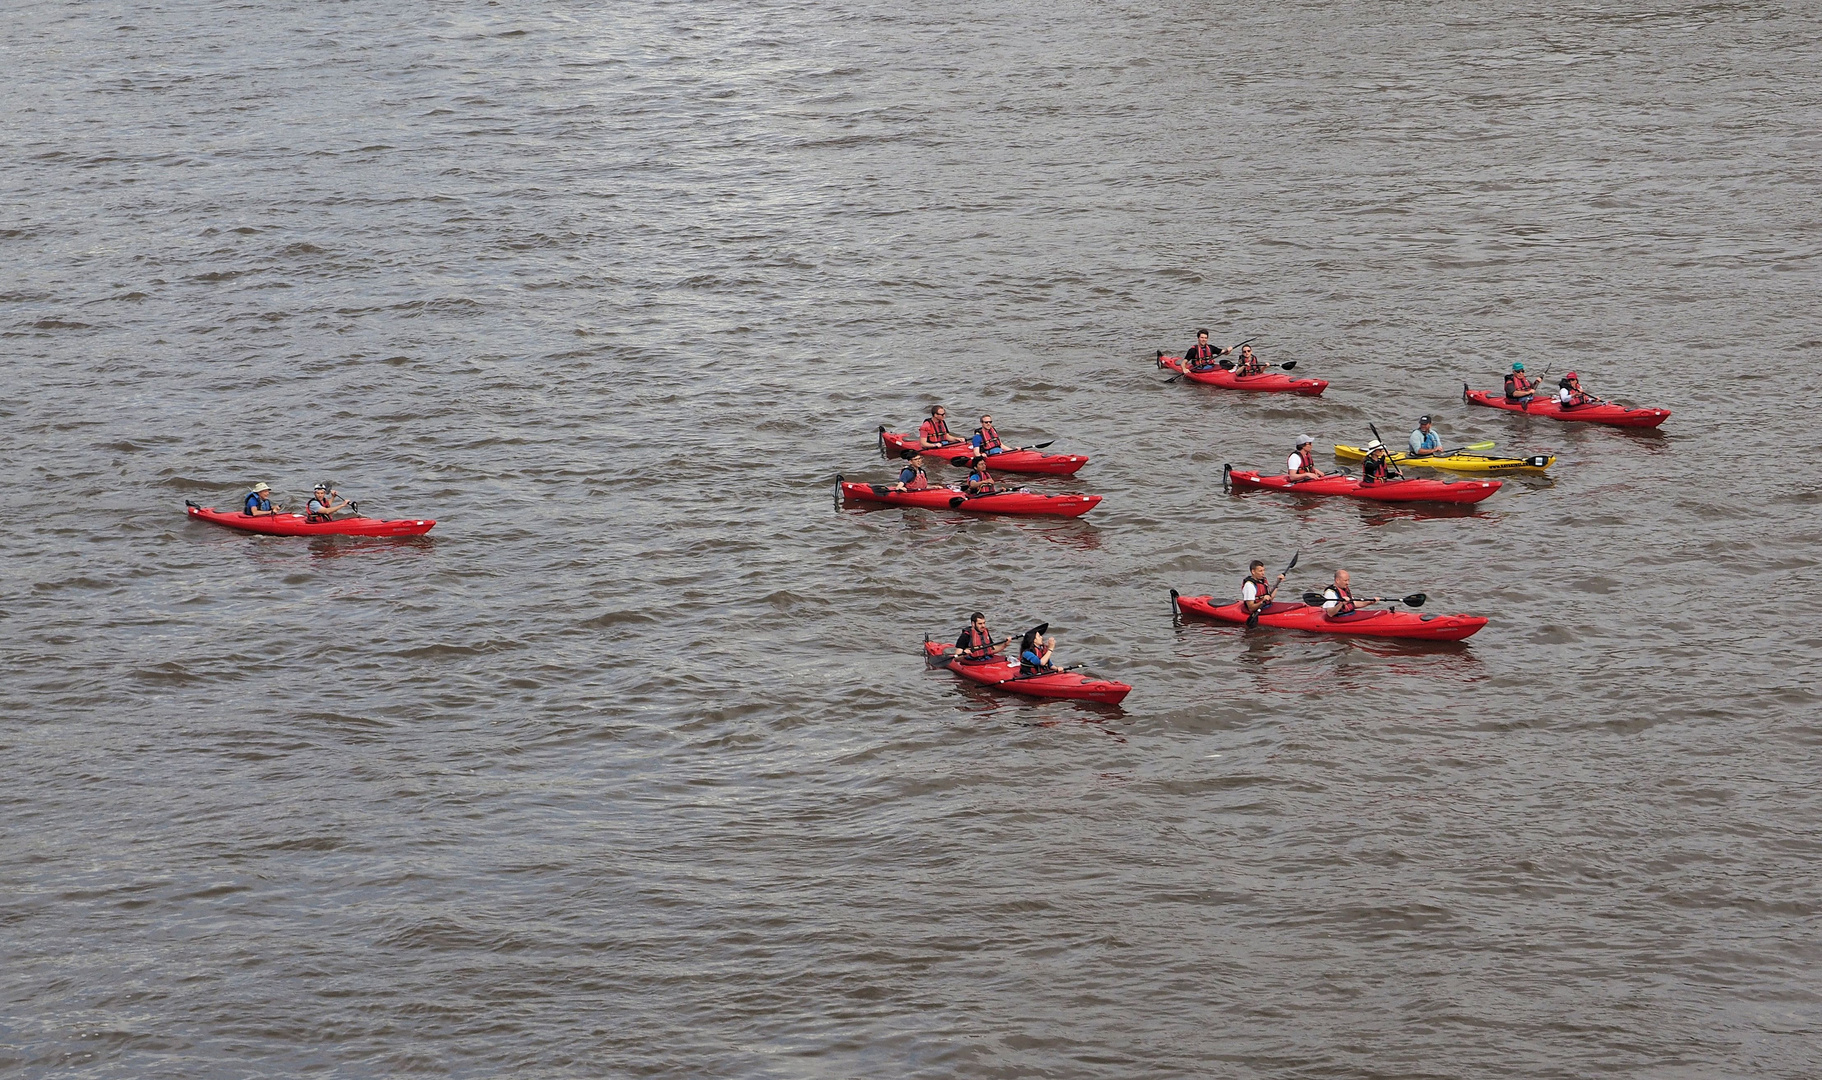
{"points": [[1293, 564], [1314, 599], [1415, 600], [1288, 364], [1488, 445], [1227, 365], [1174, 609], [955, 503]]}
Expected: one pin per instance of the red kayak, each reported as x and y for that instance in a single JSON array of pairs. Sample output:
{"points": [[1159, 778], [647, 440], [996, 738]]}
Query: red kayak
{"points": [[1271, 382], [1019, 461], [1409, 490], [1616, 415], [1372, 623], [948, 498], [1004, 674], [295, 525]]}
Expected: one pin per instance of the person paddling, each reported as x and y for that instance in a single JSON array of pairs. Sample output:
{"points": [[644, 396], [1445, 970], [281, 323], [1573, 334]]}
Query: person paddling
{"points": [[1337, 599], [980, 481], [1302, 463], [325, 501], [1035, 652], [1201, 355], [986, 440], [1570, 395], [1247, 363], [911, 477], [1425, 442], [257, 503], [1519, 386], [1255, 594], [976, 645], [935, 431], [1378, 467]]}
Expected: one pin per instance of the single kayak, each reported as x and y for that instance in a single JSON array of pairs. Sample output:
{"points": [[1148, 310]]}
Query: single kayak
{"points": [[1414, 489], [1616, 415], [295, 525], [1375, 622], [1019, 461], [1481, 463], [1270, 382], [948, 498], [1004, 674]]}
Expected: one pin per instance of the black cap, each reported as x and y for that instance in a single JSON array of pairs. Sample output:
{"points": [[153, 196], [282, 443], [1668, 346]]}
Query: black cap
{"points": [[1424, 419]]}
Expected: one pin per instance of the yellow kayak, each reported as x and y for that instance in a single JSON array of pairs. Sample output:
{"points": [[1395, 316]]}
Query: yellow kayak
{"points": [[1460, 462]]}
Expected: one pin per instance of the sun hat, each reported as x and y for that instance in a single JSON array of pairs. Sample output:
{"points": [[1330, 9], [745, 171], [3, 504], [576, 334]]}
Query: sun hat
{"points": [[1375, 445], [261, 486]]}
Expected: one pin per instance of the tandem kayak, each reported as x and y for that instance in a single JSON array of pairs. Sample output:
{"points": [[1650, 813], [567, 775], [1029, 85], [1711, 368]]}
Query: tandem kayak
{"points": [[1415, 489], [1481, 463], [1004, 675], [891, 443], [1616, 415], [295, 525], [948, 498], [1270, 382], [1371, 623]]}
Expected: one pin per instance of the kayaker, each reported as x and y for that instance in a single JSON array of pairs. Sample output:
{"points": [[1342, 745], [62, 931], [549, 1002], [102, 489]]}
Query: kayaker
{"points": [[1519, 386], [257, 503], [935, 431], [1247, 363], [324, 502], [1569, 393], [1302, 462], [911, 477], [1425, 442], [1035, 652], [1254, 592], [976, 645], [1337, 600], [1378, 467], [986, 440], [1201, 355], [980, 481]]}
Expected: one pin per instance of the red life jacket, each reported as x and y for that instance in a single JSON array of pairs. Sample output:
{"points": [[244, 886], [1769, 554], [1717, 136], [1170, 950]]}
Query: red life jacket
{"points": [[1346, 607], [1374, 470], [1251, 366], [1260, 588], [933, 429], [918, 481], [975, 644], [1199, 352], [1306, 461], [990, 439]]}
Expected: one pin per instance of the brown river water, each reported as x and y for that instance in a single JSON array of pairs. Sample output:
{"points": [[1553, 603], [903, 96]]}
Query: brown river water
{"points": [[631, 767]]}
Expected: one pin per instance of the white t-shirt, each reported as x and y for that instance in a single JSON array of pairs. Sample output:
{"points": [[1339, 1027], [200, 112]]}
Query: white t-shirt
{"points": [[1294, 464], [1249, 589], [1331, 600], [1562, 396]]}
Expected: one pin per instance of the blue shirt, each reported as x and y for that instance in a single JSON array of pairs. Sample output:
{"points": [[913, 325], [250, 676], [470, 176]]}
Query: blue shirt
{"points": [[257, 501], [1030, 656], [1422, 441]]}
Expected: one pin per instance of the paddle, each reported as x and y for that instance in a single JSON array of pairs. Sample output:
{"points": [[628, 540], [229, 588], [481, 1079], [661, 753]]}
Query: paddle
{"points": [[1252, 617], [1316, 599]]}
